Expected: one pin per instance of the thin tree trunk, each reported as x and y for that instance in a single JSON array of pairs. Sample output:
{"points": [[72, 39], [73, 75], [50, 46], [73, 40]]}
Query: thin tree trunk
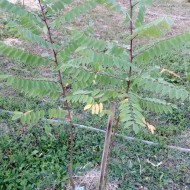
{"points": [[64, 90]]}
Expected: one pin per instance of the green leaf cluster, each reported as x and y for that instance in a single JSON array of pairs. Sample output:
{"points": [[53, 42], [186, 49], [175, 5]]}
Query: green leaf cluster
{"points": [[94, 70]]}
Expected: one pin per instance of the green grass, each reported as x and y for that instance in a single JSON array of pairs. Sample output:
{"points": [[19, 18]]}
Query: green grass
{"points": [[38, 158]]}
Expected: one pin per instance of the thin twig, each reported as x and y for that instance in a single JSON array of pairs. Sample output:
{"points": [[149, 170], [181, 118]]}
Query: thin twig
{"points": [[135, 4], [155, 165], [140, 167]]}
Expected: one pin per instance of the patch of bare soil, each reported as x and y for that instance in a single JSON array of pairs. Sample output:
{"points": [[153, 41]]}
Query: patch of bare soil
{"points": [[12, 42], [181, 1], [178, 11], [91, 179], [3, 129], [29, 4], [185, 139]]}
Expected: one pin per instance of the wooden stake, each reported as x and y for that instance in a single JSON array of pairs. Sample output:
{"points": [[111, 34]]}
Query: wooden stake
{"points": [[106, 146]]}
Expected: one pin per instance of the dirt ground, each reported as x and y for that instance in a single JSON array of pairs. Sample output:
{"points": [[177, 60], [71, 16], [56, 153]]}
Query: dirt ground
{"points": [[30, 4], [177, 10]]}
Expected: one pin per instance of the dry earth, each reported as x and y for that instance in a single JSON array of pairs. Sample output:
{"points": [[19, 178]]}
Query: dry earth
{"points": [[91, 179], [29, 4]]}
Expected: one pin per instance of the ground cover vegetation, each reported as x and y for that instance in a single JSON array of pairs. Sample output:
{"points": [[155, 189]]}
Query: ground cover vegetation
{"points": [[78, 71]]}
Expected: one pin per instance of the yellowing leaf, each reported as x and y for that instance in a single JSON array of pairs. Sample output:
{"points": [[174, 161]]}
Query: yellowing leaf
{"points": [[88, 106], [170, 72], [126, 100], [150, 127], [97, 109], [28, 112], [101, 107], [93, 109]]}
